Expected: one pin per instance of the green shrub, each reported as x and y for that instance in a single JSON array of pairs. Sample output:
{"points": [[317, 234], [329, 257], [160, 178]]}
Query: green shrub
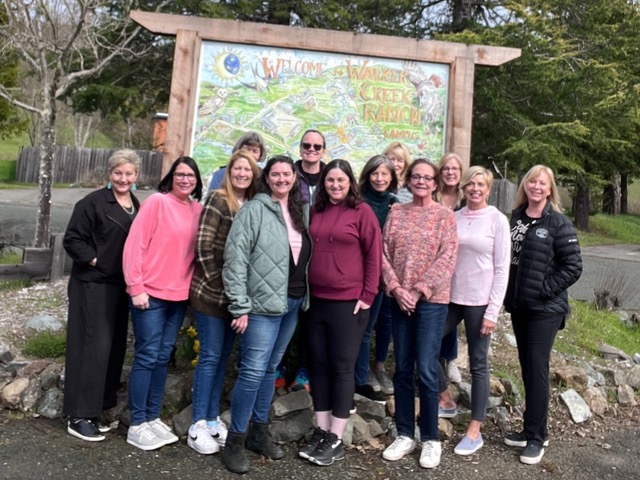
{"points": [[7, 170], [46, 344]]}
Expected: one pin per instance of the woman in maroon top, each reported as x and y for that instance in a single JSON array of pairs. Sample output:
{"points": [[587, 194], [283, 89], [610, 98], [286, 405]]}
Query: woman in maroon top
{"points": [[344, 275]]}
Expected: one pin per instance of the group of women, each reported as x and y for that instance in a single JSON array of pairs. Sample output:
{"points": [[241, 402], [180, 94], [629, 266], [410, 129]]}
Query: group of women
{"points": [[256, 255]]}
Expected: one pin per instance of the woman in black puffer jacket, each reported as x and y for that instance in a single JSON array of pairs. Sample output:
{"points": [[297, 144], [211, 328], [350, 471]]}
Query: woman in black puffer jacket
{"points": [[545, 262]]}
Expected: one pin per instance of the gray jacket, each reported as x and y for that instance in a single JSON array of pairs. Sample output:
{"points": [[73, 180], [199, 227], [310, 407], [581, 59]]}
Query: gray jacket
{"points": [[256, 259]]}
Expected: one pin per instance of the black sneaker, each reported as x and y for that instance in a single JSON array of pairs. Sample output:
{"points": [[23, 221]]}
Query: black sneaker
{"points": [[532, 453], [519, 439], [101, 426], [309, 448], [84, 429], [330, 449], [368, 392]]}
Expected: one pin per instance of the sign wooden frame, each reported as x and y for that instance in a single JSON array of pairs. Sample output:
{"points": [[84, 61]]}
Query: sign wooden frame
{"points": [[191, 31]]}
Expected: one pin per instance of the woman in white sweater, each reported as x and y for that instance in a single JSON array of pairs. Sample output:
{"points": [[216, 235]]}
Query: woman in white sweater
{"points": [[478, 287]]}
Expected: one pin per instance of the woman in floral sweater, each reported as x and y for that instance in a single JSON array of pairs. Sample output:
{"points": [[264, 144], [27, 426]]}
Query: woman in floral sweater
{"points": [[420, 247]]}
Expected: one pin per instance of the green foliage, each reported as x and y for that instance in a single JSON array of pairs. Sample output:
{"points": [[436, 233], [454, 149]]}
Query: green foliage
{"points": [[9, 258], [46, 344], [10, 285], [588, 327]]}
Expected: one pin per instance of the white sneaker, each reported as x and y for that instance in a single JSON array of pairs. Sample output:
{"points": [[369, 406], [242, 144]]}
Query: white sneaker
{"points": [[400, 447], [430, 456], [201, 440], [219, 432], [373, 381], [453, 373], [142, 436], [162, 431]]}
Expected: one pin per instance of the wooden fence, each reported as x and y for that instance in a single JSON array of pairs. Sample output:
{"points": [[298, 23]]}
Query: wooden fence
{"points": [[84, 166], [40, 263]]}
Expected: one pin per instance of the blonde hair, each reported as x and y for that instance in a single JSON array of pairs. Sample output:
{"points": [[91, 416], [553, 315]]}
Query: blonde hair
{"points": [[535, 172], [445, 158], [471, 172], [122, 157], [226, 188], [401, 151]]}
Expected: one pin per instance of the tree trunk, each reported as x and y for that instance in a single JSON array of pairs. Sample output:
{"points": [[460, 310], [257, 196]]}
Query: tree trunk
{"points": [[611, 196], [47, 155], [581, 206], [461, 14], [624, 193]]}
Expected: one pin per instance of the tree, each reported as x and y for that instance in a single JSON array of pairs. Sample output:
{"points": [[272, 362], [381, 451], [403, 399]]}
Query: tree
{"points": [[60, 42]]}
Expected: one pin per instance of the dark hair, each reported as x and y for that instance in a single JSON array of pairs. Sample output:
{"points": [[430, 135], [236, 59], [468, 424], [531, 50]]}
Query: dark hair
{"points": [[294, 202], [251, 139], [421, 161], [353, 195], [311, 130], [371, 166], [166, 184]]}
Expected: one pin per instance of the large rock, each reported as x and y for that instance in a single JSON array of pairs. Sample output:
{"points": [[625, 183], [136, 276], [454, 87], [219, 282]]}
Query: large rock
{"points": [[573, 377], [612, 353], [177, 392], [33, 369], [5, 353], [445, 429], [31, 396], [50, 405], [578, 408], [50, 376], [596, 400], [12, 393], [626, 395], [370, 410], [293, 402], [44, 322], [6, 376], [293, 428], [182, 421], [614, 377], [633, 377], [360, 429]]}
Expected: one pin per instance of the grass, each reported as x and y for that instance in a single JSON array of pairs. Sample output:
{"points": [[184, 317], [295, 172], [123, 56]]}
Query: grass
{"points": [[611, 230], [46, 344], [10, 258], [10, 285], [7, 170], [587, 328], [10, 147]]}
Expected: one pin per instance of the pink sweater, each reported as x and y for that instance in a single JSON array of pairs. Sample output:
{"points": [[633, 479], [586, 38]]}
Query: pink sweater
{"points": [[484, 254], [160, 249], [419, 246]]}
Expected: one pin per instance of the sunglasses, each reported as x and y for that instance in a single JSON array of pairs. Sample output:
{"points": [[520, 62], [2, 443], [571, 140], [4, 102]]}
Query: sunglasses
{"points": [[316, 146]]}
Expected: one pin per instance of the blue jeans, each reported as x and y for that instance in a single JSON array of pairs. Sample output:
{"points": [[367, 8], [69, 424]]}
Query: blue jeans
{"points": [[262, 346], [216, 342], [416, 341], [155, 330]]}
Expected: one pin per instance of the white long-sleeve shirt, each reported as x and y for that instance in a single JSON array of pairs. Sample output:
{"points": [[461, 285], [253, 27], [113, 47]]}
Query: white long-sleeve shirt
{"points": [[482, 266]]}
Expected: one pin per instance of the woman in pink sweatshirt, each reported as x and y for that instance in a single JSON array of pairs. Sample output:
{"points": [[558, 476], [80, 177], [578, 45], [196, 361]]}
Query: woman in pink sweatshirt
{"points": [[477, 290], [158, 264]]}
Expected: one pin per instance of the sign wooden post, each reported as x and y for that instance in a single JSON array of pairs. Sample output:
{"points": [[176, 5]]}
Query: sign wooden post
{"points": [[191, 31]]}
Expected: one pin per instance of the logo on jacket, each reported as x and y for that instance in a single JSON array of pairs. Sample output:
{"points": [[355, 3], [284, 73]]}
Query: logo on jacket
{"points": [[542, 233]]}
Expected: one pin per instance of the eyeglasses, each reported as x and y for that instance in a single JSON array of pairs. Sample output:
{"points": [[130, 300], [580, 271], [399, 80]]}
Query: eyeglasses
{"points": [[316, 146], [450, 169], [181, 176], [417, 178]]}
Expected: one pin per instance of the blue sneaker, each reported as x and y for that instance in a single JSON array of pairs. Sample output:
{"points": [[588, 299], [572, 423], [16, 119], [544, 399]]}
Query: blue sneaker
{"points": [[468, 446], [301, 381], [447, 412]]}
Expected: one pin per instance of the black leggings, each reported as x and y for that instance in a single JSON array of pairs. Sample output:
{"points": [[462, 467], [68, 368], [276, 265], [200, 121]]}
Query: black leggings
{"points": [[334, 335]]}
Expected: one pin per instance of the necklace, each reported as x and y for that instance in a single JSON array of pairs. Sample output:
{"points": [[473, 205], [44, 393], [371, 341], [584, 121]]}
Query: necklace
{"points": [[131, 210]]}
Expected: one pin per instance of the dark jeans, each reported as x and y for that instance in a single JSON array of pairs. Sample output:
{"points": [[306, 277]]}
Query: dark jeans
{"points": [[416, 342], [96, 343], [535, 334], [335, 334], [478, 346]]}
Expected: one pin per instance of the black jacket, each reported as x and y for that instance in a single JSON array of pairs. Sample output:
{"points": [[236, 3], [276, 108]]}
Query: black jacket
{"points": [[550, 262], [98, 229]]}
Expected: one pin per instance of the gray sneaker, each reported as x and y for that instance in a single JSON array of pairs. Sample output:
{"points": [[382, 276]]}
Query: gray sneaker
{"points": [[142, 436], [386, 384], [162, 431], [373, 381]]}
